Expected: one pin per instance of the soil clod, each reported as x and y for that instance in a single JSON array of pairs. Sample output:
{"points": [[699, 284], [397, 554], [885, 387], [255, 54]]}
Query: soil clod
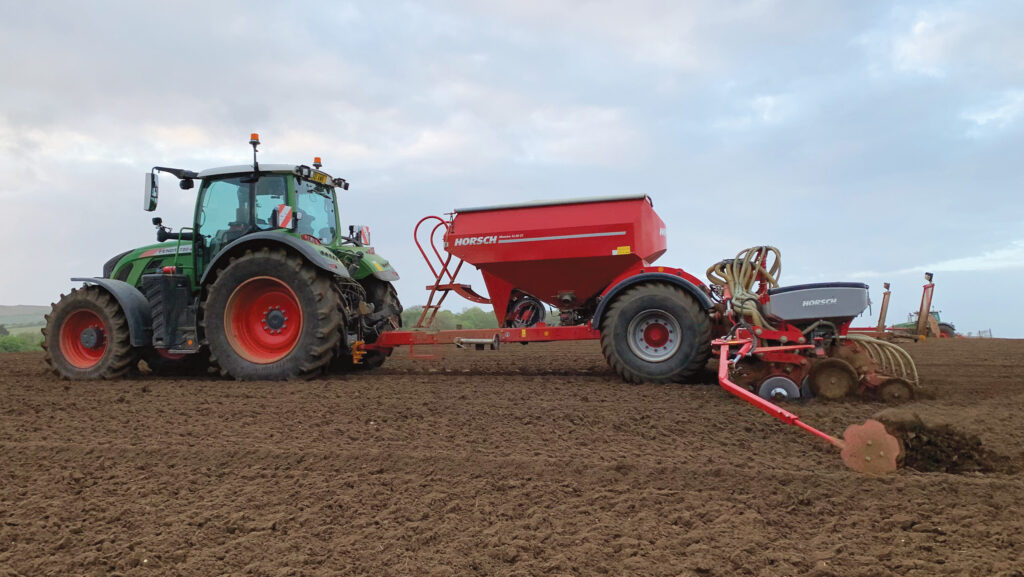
{"points": [[940, 448]]}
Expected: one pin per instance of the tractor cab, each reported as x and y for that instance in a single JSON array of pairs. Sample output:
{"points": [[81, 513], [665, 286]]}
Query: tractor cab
{"points": [[242, 202], [234, 202]]}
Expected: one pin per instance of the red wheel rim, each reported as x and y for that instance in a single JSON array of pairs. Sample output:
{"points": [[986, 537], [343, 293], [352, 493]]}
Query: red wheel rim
{"points": [[263, 320], [82, 327], [656, 335]]}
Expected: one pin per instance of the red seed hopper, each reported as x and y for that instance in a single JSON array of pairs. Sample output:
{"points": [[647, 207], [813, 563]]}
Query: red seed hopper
{"points": [[563, 253]]}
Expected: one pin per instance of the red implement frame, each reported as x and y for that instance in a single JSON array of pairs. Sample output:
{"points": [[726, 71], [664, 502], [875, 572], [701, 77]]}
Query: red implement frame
{"points": [[866, 448], [745, 347], [539, 333], [444, 275]]}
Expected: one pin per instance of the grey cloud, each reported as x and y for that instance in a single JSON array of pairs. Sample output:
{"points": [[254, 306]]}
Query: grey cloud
{"points": [[812, 126]]}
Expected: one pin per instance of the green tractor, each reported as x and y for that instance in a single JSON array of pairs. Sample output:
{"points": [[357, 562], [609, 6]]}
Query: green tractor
{"points": [[263, 285]]}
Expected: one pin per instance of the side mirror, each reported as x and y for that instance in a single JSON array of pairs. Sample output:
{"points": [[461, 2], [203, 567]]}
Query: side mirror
{"points": [[360, 232], [152, 191], [186, 183]]}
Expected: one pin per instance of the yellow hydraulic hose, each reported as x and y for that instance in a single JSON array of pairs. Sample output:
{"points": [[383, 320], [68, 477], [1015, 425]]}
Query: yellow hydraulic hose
{"points": [[739, 275]]}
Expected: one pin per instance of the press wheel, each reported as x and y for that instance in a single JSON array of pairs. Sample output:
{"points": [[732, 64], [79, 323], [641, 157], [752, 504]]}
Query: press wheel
{"points": [[895, 391], [832, 378]]}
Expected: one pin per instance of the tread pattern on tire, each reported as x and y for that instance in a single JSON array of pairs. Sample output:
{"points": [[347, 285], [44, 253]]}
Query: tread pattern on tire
{"points": [[119, 359], [379, 292], [326, 321], [702, 333]]}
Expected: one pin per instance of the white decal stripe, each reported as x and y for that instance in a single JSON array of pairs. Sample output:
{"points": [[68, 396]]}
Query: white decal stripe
{"points": [[564, 237]]}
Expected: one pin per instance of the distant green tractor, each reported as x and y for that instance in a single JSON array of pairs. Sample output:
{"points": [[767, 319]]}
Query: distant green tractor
{"points": [[945, 330], [264, 285]]}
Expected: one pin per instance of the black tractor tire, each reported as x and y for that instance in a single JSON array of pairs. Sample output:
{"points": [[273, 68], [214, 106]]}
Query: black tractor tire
{"points": [[656, 333], [380, 293], [947, 330], [87, 337], [247, 310]]}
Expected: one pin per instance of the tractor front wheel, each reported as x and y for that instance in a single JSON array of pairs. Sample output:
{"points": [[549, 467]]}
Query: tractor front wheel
{"points": [[271, 315], [383, 295], [656, 333], [87, 337]]}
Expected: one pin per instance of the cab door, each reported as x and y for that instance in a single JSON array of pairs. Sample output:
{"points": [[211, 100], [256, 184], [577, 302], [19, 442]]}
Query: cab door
{"points": [[223, 214], [232, 207]]}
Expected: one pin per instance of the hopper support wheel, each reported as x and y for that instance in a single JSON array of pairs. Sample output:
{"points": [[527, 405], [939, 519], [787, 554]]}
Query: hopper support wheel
{"points": [[832, 378], [656, 333]]}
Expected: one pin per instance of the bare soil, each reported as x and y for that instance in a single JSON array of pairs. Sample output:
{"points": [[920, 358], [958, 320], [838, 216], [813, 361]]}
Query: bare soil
{"points": [[531, 460]]}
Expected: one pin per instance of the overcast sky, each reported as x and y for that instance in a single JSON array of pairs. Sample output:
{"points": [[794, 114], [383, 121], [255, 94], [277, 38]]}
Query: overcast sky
{"points": [[869, 141]]}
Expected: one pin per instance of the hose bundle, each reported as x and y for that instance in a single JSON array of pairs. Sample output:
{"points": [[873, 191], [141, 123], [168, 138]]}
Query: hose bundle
{"points": [[739, 275]]}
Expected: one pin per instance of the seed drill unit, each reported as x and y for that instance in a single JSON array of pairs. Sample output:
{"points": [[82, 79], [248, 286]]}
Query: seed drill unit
{"points": [[593, 260]]}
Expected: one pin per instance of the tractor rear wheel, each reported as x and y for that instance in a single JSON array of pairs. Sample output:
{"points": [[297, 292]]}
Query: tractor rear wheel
{"points": [[271, 315], [87, 337], [656, 333]]}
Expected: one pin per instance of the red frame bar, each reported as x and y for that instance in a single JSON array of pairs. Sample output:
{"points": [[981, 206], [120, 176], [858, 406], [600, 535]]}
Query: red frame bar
{"points": [[539, 333], [765, 405]]}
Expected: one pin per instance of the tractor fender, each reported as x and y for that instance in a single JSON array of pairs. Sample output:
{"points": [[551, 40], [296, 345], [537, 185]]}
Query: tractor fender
{"points": [[133, 303], [378, 266], [319, 256], [692, 289], [386, 275]]}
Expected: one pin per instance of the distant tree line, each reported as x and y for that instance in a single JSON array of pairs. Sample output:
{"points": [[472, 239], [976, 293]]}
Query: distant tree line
{"points": [[471, 318], [19, 343]]}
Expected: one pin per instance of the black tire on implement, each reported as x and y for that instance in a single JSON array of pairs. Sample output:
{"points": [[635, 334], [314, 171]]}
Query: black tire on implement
{"points": [[87, 337], [656, 333], [248, 309]]}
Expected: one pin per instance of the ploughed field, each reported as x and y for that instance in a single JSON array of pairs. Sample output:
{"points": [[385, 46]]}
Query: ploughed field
{"points": [[531, 460]]}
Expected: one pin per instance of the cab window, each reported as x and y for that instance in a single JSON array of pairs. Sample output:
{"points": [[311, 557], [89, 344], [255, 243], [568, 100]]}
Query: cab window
{"points": [[315, 203], [224, 213], [270, 193]]}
